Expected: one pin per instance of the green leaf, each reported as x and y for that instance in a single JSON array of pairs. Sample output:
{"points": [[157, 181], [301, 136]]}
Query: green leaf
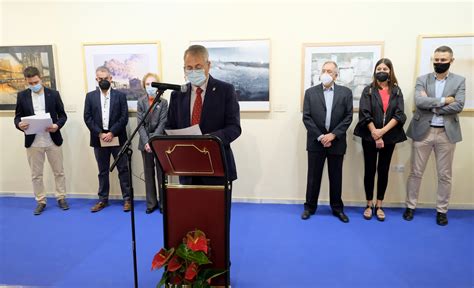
{"points": [[198, 257], [163, 280], [210, 273]]}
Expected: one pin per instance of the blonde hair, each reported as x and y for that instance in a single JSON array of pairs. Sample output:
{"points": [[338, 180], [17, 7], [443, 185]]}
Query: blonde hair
{"points": [[154, 75]]}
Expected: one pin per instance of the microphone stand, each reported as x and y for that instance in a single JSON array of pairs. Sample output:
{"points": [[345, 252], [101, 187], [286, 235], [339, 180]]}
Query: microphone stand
{"points": [[126, 150]]}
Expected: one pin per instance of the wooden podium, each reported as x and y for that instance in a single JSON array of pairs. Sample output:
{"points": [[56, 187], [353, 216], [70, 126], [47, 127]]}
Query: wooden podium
{"points": [[189, 207]]}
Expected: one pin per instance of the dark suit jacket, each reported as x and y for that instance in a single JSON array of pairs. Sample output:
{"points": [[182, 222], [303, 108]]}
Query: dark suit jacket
{"points": [[118, 116], [371, 110], [53, 105], [220, 115], [314, 118]]}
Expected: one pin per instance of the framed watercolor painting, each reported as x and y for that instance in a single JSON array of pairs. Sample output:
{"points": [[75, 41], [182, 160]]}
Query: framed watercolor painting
{"points": [[128, 63]]}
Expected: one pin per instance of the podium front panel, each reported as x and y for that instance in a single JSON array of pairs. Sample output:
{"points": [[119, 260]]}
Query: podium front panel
{"points": [[198, 207], [199, 157]]}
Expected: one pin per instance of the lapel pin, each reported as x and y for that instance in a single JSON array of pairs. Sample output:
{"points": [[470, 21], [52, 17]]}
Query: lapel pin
{"points": [[214, 89]]}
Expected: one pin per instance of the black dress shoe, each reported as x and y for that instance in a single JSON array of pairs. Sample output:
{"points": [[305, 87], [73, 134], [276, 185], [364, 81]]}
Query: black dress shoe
{"points": [[343, 217], [441, 219], [150, 210], [408, 214], [306, 214]]}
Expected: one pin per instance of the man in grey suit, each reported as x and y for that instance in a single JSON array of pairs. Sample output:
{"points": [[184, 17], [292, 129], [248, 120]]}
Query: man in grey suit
{"points": [[439, 98], [154, 125], [327, 114]]}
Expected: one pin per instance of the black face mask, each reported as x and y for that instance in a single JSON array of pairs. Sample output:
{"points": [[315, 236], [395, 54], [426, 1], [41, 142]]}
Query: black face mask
{"points": [[104, 84], [381, 76], [441, 67]]}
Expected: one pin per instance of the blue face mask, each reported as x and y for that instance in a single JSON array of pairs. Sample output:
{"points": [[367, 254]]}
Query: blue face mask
{"points": [[196, 77], [151, 90], [36, 88]]}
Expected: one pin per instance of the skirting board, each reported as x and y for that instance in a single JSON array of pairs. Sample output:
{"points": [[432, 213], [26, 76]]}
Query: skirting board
{"points": [[462, 206]]}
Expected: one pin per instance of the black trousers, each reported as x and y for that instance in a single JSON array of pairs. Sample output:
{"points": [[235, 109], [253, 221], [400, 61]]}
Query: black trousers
{"points": [[151, 169], [102, 155], [316, 161], [371, 166]]}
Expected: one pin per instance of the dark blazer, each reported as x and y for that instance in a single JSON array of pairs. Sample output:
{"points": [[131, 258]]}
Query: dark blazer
{"points": [[220, 115], [118, 116], [53, 105], [155, 123], [371, 110], [314, 118]]}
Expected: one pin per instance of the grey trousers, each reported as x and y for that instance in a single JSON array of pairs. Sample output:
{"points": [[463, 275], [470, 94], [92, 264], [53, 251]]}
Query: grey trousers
{"points": [[152, 169]]}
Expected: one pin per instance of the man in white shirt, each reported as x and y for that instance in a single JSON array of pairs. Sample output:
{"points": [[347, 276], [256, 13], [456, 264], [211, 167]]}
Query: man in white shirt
{"points": [[37, 100]]}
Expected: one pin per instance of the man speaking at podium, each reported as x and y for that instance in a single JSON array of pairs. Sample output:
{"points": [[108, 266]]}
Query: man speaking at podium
{"points": [[210, 103]]}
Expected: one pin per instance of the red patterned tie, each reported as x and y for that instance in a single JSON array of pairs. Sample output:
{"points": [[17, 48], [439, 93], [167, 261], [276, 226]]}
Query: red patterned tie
{"points": [[197, 108]]}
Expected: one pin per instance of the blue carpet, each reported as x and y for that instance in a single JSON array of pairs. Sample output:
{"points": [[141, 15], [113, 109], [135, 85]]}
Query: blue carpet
{"points": [[270, 247]]}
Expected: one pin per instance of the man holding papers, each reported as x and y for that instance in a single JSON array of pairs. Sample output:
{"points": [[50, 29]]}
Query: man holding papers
{"points": [[39, 113], [106, 116]]}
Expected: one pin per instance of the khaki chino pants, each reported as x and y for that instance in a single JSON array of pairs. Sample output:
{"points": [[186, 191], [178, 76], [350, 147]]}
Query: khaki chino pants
{"points": [[436, 141], [36, 156]]}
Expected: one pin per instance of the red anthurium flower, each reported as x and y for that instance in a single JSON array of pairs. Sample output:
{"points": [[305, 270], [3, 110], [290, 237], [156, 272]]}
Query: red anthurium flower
{"points": [[161, 258], [191, 271], [174, 264], [197, 241]]}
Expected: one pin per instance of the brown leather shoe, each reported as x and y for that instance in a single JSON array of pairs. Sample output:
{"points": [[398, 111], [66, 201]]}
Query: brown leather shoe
{"points": [[99, 206], [127, 206]]}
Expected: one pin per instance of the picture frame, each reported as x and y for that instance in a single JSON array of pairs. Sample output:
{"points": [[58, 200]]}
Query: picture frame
{"points": [[463, 47], [246, 65], [355, 60], [13, 60], [128, 63]]}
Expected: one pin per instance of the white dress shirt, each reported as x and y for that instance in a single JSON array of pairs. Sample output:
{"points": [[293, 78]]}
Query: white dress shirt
{"points": [[42, 139], [105, 104], [438, 120]]}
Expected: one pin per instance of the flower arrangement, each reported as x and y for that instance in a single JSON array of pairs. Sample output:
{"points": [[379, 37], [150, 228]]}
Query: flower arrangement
{"points": [[184, 265]]}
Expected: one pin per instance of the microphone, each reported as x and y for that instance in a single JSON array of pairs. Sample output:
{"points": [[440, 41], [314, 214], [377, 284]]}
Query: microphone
{"points": [[166, 86]]}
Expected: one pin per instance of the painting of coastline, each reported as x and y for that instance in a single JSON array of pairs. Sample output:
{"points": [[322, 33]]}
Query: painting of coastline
{"points": [[246, 65]]}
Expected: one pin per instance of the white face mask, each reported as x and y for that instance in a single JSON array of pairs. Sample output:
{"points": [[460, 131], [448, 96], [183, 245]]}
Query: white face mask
{"points": [[326, 79], [151, 91]]}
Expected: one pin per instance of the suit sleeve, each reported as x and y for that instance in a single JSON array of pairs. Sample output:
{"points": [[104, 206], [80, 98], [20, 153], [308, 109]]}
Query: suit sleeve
{"points": [[365, 108], [307, 119], [399, 113], [171, 120], [18, 111], [425, 102], [341, 128], [119, 126], [140, 114], [89, 117], [62, 117], [232, 128], [458, 104], [160, 129]]}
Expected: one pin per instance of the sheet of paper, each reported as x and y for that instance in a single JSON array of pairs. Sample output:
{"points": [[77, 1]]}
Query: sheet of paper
{"points": [[191, 130], [114, 142], [38, 123]]}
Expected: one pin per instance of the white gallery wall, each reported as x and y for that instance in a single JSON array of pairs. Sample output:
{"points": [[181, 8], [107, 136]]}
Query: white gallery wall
{"points": [[270, 153]]}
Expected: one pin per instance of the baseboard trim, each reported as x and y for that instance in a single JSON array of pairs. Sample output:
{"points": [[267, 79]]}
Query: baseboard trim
{"points": [[460, 206]]}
